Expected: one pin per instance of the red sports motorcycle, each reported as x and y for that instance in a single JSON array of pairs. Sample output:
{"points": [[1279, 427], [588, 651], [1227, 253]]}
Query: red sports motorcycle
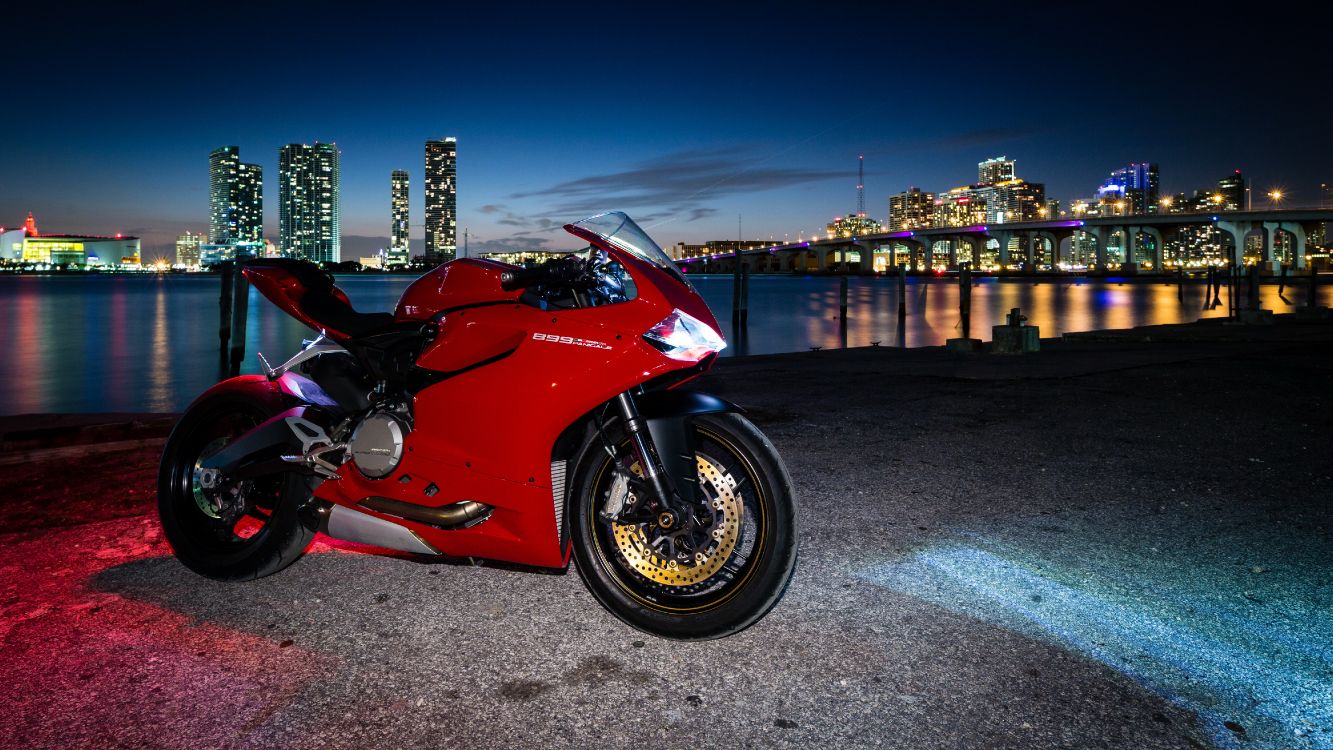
{"points": [[517, 414]]}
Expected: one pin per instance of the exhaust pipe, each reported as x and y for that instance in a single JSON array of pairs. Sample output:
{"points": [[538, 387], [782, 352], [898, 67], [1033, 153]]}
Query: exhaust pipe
{"points": [[341, 522], [459, 515]]}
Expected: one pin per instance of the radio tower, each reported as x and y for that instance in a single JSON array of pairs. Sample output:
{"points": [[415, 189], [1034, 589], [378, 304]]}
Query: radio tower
{"points": [[861, 186]]}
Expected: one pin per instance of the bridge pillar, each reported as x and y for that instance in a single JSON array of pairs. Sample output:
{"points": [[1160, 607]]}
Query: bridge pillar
{"points": [[1100, 235], [1157, 251], [974, 245], [1003, 238], [1055, 246], [953, 253], [1238, 230], [1029, 253], [1130, 242], [1273, 231], [1299, 240]]}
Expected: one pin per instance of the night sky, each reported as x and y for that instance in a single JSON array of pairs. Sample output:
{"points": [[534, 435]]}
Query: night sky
{"points": [[683, 116]]}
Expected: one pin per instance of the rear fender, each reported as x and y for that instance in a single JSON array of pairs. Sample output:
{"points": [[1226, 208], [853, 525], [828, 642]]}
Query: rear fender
{"points": [[285, 392], [304, 415]]}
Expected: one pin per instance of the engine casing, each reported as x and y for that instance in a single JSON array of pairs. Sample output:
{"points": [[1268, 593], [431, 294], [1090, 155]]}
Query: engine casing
{"points": [[376, 445]]}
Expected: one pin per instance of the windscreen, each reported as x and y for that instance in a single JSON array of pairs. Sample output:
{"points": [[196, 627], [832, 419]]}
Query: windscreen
{"points": [[620, 231]]}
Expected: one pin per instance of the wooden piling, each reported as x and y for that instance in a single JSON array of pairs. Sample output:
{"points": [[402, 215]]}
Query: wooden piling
{"points": [[240, 310], [225, 271], [902, 291], [745, 296], [842, 299], [965, 298]]}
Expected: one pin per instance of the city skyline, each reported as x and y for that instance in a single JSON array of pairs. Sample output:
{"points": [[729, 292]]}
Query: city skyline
{"points": [[682, 142]]}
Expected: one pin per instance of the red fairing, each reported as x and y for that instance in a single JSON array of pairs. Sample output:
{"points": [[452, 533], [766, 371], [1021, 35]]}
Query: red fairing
{"points": [[512, 377], [466, 281], [288, 292]]}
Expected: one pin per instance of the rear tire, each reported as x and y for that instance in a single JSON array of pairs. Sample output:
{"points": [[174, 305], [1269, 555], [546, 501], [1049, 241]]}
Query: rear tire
{"points": [[755, 558], [271, 532]]}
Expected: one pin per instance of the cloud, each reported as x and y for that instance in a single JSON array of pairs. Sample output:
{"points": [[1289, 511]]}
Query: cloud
{"points": [[491, 208], [681, 182], [514, 243]]}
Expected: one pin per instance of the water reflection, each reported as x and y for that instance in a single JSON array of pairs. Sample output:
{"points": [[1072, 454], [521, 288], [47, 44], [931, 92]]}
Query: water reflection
{"points": [[146, 343]]}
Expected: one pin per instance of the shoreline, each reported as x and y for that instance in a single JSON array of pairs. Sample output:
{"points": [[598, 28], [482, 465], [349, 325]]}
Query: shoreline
{"points": [[31, 436]]}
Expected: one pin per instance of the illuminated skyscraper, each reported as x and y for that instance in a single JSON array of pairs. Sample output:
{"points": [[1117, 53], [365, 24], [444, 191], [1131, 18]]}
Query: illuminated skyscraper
{"points": [[235, 198], [1232, 190], [308, 202], [187, 249], [398, 230], [911, 209], [1132, 190], [993, 170], [441, 200]]}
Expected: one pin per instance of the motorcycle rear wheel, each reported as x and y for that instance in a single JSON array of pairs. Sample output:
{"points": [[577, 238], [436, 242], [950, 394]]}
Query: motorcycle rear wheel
{"points": [[719, 585], [261, 531]]}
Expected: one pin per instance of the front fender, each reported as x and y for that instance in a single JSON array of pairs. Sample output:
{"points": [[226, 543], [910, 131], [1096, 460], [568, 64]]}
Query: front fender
{"points": [[668, 414]]}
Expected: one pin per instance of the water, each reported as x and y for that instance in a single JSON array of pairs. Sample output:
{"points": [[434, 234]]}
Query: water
{"points": [[150, 343]]}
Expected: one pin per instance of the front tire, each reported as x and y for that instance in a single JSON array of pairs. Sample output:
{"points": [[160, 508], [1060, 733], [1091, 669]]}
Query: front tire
{"points": [[255, 531], [742, 570]]}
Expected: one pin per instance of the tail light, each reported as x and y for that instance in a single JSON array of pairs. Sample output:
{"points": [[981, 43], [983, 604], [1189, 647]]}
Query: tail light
{"points": [[684, 337]]}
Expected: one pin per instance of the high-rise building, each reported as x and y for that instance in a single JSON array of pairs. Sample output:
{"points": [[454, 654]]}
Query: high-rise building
{"points": [[441, 200], [1232, 190], [308, 216], [1132, 189], [187, 249], [235, 198], [398, 230], [1012, 200], [994, 170], [911, 209]]}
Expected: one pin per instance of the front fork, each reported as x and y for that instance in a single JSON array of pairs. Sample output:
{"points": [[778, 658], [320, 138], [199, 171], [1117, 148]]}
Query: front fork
{"points": [[664, 448]]}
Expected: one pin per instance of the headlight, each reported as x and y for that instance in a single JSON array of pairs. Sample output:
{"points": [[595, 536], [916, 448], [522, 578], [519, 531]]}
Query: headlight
{"points": [[683, 336]]}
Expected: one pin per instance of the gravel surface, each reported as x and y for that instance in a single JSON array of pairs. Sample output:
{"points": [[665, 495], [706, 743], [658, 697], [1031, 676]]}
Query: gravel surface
{"points": [[1102, 546]]}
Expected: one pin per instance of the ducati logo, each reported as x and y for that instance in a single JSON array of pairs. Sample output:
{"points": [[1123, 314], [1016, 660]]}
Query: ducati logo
{"points": [[551, 337]]}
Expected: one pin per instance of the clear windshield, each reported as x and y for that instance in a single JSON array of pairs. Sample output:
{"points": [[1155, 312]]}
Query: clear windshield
{"points": [[621, 231]]}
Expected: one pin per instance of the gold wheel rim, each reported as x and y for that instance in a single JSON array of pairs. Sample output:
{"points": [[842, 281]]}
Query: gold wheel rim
{"points": [[638, 552]]}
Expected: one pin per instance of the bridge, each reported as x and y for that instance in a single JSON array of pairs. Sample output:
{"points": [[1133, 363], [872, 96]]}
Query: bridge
{"points": [[1029, 244]]}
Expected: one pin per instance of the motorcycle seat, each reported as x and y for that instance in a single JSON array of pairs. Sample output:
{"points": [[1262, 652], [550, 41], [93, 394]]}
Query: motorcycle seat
{"points": [[318, 300]]}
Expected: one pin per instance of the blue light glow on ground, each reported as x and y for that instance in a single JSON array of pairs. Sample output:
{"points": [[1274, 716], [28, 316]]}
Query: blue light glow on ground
{"points": [[1194, 620]]}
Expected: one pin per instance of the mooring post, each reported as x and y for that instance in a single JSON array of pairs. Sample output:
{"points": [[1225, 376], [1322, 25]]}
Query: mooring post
{"points": [[1208, 290], [240, 309], [745, 296], [1313, 300], [1282, 280], [736, 290], [902, 291], [1217, 286], [226, 271], [965, 298], [1180, 283], [842, 299], [1252, 288]]}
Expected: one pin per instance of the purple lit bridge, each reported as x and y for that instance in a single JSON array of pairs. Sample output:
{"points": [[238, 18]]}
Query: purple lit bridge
{"points": [[1122, 244]]}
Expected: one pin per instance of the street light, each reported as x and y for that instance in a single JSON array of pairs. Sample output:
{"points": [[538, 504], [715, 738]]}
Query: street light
{"points": [[1274, 197]]}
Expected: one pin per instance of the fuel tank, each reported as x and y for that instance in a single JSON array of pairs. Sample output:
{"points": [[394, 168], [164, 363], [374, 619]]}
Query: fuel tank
{"points": [[461, 283]]}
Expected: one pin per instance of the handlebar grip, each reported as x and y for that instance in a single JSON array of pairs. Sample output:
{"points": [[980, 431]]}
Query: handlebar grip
{"points": [[520, 278]]}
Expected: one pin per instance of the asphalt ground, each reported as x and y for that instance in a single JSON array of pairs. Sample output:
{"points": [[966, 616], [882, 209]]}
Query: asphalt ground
{"points": [[1107, 545]]}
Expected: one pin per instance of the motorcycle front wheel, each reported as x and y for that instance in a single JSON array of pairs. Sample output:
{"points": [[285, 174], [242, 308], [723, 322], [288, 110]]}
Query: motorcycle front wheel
{"points": [[724, 576]]}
